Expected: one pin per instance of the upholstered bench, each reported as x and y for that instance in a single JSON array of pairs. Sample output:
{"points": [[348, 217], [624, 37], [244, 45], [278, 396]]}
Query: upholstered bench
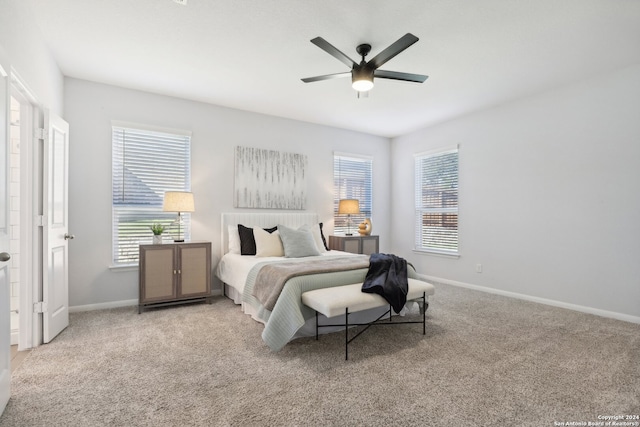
{"points": [[349, 299]]}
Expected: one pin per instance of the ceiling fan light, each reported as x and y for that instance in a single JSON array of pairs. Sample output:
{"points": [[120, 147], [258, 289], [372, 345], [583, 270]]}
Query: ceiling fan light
{"points": [[362, 85], [362, 79]]}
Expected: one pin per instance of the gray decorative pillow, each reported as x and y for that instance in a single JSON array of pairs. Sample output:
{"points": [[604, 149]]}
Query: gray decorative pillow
{"points": [[297, 243]]}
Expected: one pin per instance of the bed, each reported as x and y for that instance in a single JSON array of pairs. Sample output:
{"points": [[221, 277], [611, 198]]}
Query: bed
{"points": [[287, 318]]}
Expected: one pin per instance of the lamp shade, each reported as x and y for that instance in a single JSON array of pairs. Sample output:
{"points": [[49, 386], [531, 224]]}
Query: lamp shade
{"points": [[349, 206], [178, 201]]}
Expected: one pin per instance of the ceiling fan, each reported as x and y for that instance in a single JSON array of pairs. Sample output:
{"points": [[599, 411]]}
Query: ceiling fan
{"points": [[362, 74]]}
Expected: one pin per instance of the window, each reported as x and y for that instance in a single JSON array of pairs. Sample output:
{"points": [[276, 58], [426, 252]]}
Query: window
{"points": [[145, 164], [436, 195], [352, 179]]}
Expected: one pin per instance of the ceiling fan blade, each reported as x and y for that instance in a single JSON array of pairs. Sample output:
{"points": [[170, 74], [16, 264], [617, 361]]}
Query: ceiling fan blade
{"points": [[333, 51], [326, 77], [395, 75], [401, 44]]}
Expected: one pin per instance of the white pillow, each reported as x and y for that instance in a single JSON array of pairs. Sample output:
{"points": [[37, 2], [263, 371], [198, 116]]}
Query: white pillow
{"points": [[234, 240], [315, 232], [267, 244], [297, 243]]}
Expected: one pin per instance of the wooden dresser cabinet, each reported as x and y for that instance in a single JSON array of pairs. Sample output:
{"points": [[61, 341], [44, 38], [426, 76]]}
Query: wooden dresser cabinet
{"points": [[366, 245], [174, 273]]}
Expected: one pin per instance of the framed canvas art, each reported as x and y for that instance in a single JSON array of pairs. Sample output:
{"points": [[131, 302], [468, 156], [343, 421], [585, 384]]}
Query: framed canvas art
{"points": [[269, 179]]}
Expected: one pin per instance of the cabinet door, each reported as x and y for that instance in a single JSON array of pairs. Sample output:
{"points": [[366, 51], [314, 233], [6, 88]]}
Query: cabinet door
{"points": [[369, 245], [352, 245], [195, 269], [157, 279]]}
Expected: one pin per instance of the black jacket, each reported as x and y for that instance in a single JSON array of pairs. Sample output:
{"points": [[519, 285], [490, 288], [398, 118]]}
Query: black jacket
{"points": [[387, 276]]}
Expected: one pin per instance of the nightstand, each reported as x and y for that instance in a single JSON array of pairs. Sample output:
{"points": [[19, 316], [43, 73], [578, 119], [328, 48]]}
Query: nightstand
{"points": [[174, 273], [366, 245]]}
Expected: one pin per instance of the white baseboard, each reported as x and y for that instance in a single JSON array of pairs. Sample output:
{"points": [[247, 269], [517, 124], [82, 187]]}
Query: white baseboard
{"points": [[575, 307], [117, 304], [103, 305]]}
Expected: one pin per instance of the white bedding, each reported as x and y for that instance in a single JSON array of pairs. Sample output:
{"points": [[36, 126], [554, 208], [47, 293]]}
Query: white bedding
{"points": [[233, 269]]}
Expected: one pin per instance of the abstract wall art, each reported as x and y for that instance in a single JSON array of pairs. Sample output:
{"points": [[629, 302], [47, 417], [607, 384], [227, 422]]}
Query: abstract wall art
{"points": [[269, 179]]}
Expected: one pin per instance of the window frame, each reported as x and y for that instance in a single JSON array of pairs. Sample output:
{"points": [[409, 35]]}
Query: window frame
{"points": [[147, 212], [443, 211], [366, 207]]}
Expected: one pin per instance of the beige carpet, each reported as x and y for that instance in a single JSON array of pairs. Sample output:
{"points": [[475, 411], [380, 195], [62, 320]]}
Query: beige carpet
{"points": [[486, 361]]}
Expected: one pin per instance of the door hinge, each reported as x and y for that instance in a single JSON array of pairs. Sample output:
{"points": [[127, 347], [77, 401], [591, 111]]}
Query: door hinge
{"points": [[40, 133], [39, 307], [41, 221]]}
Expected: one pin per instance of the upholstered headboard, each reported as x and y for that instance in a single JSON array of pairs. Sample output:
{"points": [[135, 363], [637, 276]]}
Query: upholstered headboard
{"points": [[263, 219]]}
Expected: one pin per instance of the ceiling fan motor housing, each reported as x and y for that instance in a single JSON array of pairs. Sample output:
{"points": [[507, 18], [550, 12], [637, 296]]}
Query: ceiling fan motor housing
{"points": [[361, 74]]}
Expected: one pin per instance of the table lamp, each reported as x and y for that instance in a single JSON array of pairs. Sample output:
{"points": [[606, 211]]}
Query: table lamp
{"points": [[178, 201], [349, 207]]}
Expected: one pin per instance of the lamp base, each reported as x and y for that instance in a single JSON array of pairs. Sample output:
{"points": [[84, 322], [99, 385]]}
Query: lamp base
{"points": [[348, 234], [178, 240]]}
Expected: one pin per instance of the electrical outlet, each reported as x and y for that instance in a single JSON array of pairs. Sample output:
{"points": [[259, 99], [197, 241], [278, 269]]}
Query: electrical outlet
{"points": [[478, 268]]}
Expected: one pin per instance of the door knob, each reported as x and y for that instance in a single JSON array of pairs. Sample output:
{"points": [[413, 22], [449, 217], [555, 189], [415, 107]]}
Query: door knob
{"points": [[68, 236], [5, 256]]}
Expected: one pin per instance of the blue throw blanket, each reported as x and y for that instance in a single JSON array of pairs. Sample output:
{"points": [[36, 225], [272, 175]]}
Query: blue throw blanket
{"points": [[387, 277]]}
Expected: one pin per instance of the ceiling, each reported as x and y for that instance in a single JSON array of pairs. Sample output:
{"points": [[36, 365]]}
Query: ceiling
{"points": [[251, 54]]}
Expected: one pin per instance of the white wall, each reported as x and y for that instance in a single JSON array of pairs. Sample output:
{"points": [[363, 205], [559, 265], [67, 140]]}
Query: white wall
{"points": [[549, 195], [29, 56], [89, 109]]}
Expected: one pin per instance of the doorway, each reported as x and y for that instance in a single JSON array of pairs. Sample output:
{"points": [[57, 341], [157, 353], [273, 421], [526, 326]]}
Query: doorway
{"points": [[24, 173], [14, 217]]}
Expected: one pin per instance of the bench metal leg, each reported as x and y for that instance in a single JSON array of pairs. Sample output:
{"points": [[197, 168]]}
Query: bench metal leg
{"points": [[424, 314], [346, 333]]}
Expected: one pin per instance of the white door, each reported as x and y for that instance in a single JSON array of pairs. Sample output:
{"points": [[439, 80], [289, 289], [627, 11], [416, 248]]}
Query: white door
{"points": [[5, 323], [55, 286]]}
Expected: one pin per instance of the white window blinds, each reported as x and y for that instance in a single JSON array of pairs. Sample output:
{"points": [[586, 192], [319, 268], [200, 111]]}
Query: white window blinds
{"points": [[436, 200], [145, 164], [352, 179]]}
